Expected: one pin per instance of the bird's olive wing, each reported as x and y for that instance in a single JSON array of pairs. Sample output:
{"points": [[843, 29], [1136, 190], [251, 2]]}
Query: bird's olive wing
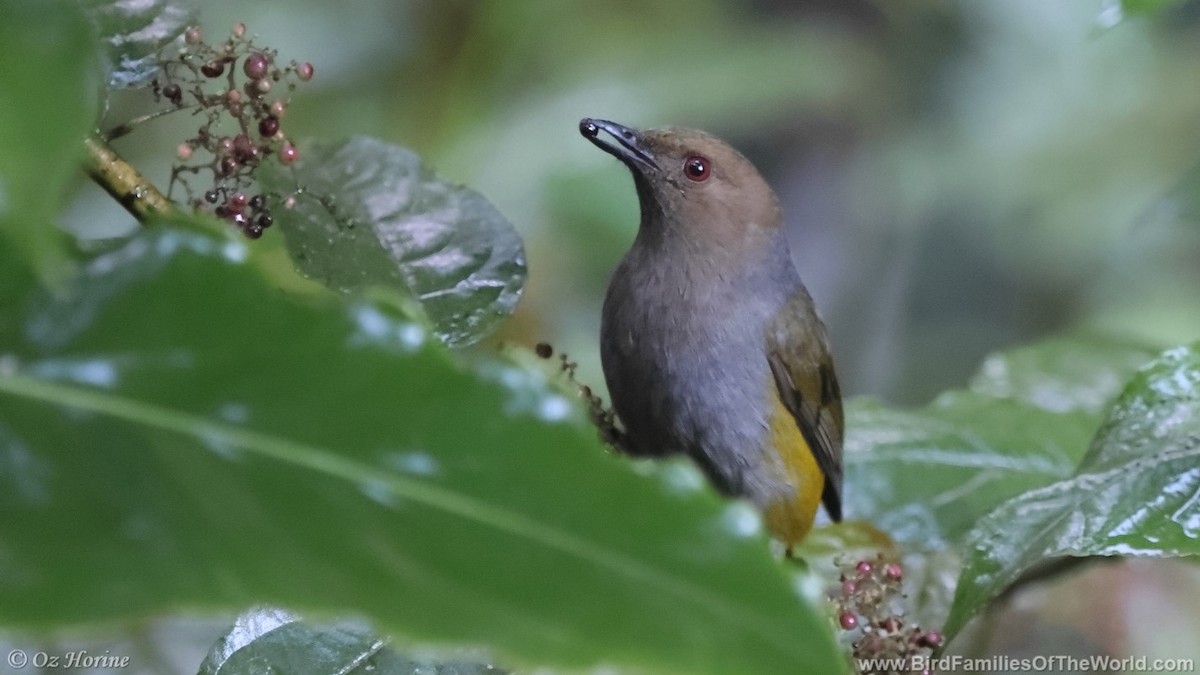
{"points": [[808, 387]]}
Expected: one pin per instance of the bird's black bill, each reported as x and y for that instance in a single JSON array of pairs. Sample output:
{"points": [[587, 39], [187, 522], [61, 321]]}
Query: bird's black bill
{"points": [[628, 146]]}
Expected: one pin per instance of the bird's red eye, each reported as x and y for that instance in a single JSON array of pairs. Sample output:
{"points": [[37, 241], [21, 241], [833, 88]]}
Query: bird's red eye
{"points": [[697, 168]]}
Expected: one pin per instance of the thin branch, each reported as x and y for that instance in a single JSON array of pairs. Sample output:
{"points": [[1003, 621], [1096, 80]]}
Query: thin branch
{"points": [[118, 178], [123, 129]]}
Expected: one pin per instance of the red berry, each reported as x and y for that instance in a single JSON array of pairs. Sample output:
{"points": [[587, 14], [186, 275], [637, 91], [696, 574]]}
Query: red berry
{"points": [[256, 66], [213, 69], [304, 71], [243, 149], [863, 567], [268, 126], [237, 203], [847, 620]]}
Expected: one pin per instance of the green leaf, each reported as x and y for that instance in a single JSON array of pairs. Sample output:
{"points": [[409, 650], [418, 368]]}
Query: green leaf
{"points": [[133, 33], [1136, 493], [1064, 374], [47, 107], [926, 476], [210, 442], [375, 215], [1147, 6], [274, 640]]}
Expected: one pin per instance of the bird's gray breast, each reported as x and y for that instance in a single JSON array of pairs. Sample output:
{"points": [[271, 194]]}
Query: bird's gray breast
{"points": [[682, 348]]}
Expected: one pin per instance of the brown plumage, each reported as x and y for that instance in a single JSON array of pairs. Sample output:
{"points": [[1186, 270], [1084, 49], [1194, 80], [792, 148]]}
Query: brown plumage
{"points": [[711, 345]]}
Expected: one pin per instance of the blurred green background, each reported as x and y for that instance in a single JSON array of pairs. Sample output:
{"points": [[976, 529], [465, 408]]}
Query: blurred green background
{"points": [[957, 177]]}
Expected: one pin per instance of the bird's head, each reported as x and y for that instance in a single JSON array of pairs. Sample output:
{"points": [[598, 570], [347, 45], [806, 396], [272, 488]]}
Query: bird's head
{"points": [[689, 178]]}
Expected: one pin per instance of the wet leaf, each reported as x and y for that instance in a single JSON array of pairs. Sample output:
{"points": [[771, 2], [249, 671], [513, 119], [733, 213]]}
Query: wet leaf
{"points": [[1136, 493], [47, 107], [274, 640], [926, 476], [1063, 374], [389, 221], [213, 443], [133, 31]]}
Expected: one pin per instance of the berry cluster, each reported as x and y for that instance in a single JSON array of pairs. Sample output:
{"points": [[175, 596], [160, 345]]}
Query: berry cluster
{"points": [[600, 415], [866, 601], [235, 88]]}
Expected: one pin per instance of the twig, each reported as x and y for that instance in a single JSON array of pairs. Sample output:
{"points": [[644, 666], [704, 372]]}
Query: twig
{"points": [[118, 178]]}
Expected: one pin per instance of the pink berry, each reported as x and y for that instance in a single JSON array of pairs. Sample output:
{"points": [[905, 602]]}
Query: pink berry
{"points": [[278, 108], [893, 571], [192, 35], [290, 202], [256, 66], [847, 620], [184, 151], [239, 29], [288, 153], [304, 71], [849, 587], [933, 638], [863, 567], [233, 96]]}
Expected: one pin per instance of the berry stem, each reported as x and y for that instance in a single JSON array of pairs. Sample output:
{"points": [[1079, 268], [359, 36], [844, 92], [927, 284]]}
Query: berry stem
{"points": [[126, 128], [118, 178]]}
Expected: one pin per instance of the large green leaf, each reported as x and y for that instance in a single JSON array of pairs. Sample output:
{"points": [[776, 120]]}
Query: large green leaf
{"points": [[926, 476], [46, 110], [272, 640], [1136, 493], [174, 433], [1064, 374], [132, 34], [373, 214]]}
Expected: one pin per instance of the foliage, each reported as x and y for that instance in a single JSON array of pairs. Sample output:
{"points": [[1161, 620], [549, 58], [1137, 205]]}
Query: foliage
{"points": [[214, 442]]}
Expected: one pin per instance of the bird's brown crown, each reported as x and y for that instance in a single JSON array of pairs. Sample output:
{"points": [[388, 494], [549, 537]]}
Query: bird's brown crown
{"points": [[691, 177]]}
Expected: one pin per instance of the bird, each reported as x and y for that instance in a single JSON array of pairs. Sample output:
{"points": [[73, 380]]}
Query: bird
{"points": [[710, 344]]}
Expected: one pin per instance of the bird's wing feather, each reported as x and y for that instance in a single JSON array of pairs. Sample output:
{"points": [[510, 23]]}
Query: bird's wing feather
{"points": [[803, 371]]}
